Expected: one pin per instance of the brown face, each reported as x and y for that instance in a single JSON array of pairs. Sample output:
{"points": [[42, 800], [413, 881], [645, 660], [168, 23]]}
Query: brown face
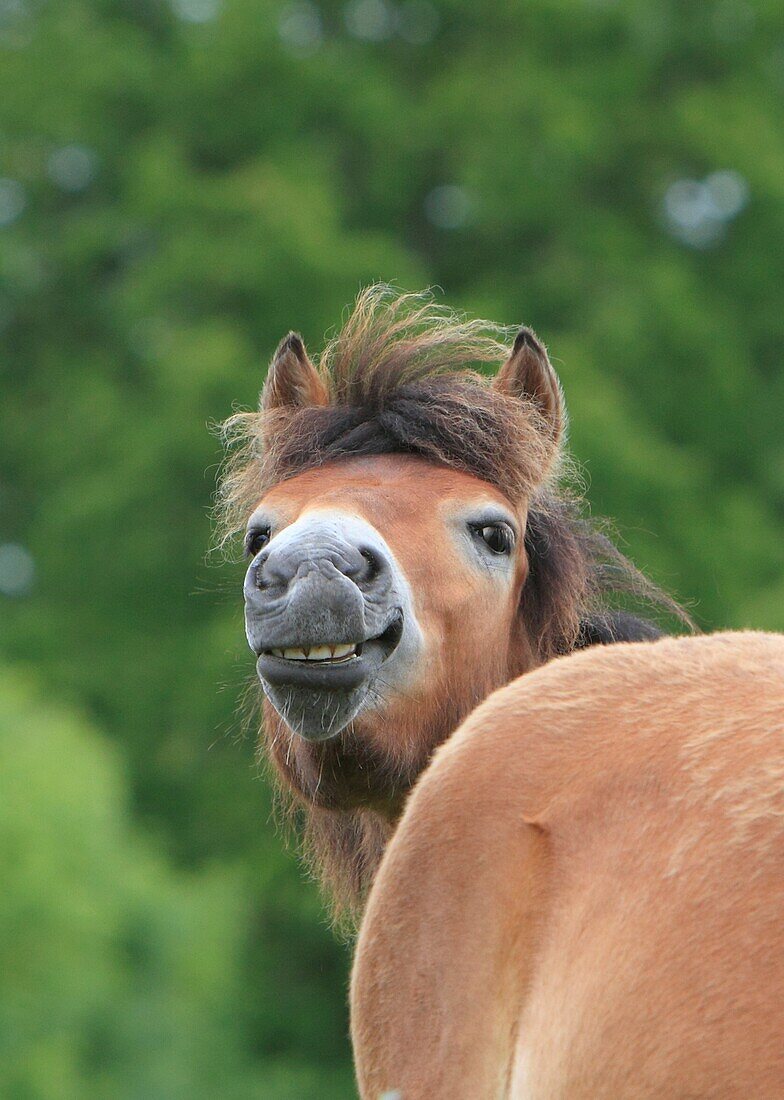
{"points": [[381, 602]]}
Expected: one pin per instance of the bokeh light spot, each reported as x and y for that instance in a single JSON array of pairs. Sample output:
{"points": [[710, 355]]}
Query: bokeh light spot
{"points": [[300, 28], [697, 211], [12, 200], [196, 11], [17, 570], [372, 20], [448, 206], [728, 192], [72, 167]]}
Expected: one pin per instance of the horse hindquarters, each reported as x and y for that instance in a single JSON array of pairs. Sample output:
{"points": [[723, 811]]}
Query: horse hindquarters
{"points": [[444, 951]]}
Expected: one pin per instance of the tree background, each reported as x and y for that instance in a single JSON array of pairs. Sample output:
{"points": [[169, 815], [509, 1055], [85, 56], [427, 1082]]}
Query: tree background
{"points": [[182, 182]]}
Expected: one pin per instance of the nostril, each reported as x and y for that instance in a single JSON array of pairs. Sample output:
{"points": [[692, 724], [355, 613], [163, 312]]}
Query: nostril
{"points": [[373, 563], [257, 574]]}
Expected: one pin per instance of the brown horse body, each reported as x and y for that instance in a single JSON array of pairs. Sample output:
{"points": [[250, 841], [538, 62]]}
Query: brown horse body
{"points": [[584, 897]]}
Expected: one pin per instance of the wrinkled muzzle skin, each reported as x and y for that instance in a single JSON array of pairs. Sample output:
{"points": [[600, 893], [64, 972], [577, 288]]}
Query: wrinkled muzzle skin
{"points": [[329, 615]]}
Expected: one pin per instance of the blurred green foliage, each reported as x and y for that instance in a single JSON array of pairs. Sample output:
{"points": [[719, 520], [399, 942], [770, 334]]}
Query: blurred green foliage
{"points": [[180, 184], [122, 977]]}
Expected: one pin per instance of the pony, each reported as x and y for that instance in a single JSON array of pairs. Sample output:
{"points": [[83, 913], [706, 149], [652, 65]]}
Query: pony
{"points": [[412, 546], [584, 896]]}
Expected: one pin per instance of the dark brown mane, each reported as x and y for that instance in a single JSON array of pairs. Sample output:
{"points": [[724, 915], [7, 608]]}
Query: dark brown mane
{"points": [[398, 380]]}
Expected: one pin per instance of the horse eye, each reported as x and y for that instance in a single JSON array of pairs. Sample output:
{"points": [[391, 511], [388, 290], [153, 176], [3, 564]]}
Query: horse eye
{"points": [[498, 536], [256, 540]]}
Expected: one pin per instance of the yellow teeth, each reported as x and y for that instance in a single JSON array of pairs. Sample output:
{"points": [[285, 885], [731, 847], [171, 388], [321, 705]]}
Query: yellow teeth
{"points": [[320, 653], [316, 653]]}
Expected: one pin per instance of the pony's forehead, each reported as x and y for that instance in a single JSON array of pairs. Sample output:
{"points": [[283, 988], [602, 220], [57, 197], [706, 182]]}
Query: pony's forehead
{"points": [[375, 484]]}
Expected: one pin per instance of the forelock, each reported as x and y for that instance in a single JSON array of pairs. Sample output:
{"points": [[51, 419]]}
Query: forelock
{"points": [[404, 376]]}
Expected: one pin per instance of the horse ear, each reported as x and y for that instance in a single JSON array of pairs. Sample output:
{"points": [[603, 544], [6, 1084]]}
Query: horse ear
{"points": [[528, 374], [292, 380]]}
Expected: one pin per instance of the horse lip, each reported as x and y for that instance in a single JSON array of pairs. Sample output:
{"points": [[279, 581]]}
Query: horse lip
{"points": [[344, 675]]}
